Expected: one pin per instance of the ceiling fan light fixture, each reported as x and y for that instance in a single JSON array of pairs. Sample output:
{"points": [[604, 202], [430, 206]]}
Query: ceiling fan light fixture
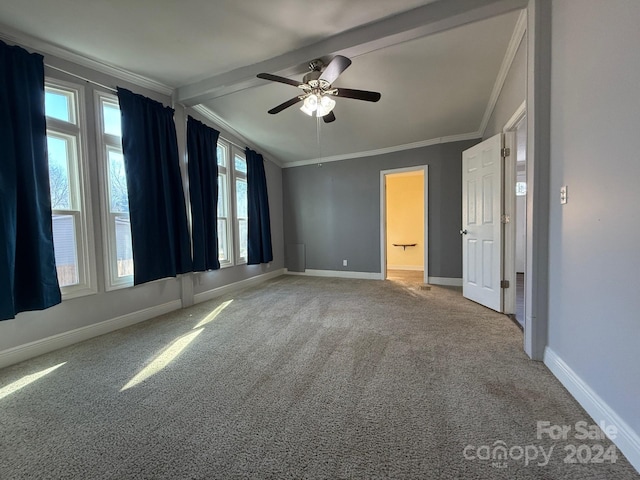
{"points": [[325, 106], [310, 104]]}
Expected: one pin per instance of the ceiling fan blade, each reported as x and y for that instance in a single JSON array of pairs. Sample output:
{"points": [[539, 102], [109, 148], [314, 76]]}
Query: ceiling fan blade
{"points": [[284, 105], [338, 65], [329, 117], [358, 94], [277, 78]]}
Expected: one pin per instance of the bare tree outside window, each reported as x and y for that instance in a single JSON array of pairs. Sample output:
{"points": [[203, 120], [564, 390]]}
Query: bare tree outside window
{"points": [[118, 184], [59, 184]]}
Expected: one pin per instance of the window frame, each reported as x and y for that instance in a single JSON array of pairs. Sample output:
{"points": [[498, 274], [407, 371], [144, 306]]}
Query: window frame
{"points": [[104, 143], [79, 184], [242, 176], [224, 184], [229, 175]]}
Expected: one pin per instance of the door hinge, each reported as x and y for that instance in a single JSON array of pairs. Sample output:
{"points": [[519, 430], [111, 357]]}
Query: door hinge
{"points": [[505, 152], [505, 218], [504, 284]]}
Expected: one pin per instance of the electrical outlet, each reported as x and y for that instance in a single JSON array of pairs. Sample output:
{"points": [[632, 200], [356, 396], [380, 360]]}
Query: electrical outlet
{"points": [[344, 263]]}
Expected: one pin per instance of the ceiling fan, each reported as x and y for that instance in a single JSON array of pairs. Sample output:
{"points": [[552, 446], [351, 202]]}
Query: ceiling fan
{"points": [[318, 89]]}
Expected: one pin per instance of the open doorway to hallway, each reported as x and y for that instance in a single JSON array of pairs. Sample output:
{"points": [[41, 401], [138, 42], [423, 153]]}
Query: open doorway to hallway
{"points": [[515, 264], [521, 217], [404, 225]]}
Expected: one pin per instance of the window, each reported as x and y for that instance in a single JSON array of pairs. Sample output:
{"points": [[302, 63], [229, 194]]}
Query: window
{"points": [[225, 237], [69, 188], [240, 177], [115, 198], [232, 205]]}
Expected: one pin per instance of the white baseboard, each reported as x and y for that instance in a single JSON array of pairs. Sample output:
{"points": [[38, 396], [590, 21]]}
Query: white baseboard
{"points": [[337, 273], [446, 281], [249, 282], [61, 340], [627, 440], [413, 268]]}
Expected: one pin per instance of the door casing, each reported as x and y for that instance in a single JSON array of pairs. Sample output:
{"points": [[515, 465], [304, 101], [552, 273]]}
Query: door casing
{"points": [[383, 217], [509, 267]]}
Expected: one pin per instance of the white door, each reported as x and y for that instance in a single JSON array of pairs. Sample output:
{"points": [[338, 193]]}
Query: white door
{"points": [[481, 223]]}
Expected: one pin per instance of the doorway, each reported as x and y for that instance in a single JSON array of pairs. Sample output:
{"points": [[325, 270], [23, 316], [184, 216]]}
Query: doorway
{"points": [[515, 264], [404, 224], [494, 220]]}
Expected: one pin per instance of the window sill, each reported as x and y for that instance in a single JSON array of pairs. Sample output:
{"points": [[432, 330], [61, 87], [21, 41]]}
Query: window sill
{"points": [[119, 286], [77, 291]]}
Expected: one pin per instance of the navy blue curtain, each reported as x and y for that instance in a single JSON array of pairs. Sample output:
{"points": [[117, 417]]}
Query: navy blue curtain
{"points": [[259, 225], [159, 232], [28, 279], [202, 143]]}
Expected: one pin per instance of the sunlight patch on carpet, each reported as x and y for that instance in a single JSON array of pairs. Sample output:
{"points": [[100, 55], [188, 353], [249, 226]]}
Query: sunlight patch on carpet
{"points": [[163, 359], [214, 313], [26, 380]]}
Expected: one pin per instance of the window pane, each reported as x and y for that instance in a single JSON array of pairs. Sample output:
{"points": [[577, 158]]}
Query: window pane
{"points": [[220, 154], [241, 203], [124, 251], [118, 197], [222, 195], [242, 231], [64, 243], [241, 164], [111, 119], [59, 150], [59, 105], [241, 195], [223, 248]]}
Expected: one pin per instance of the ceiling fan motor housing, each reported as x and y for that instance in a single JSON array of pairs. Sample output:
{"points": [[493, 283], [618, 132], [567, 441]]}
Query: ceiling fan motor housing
{"points": [[311, 76]]}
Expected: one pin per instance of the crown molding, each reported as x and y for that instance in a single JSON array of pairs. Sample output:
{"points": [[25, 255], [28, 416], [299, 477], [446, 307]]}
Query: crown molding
{"points": [[223, 125], [383, 151], [516, 38], [8, 34]]}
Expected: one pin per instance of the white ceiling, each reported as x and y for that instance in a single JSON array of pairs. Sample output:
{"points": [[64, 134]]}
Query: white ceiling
{"points": [[436, 81]]}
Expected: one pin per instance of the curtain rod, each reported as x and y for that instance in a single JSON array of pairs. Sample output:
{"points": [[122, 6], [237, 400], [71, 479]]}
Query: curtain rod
{"points": [[111, 89], [264, 159], [232, 143]]}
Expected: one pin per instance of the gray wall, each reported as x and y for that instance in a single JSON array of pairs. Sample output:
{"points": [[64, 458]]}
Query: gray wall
{"points": [[513, 93], [89, 310], [334, 209], [594, 306]]}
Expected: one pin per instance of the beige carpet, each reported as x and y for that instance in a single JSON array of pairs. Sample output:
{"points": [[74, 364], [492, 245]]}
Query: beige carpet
{"points": [[298, 378]]}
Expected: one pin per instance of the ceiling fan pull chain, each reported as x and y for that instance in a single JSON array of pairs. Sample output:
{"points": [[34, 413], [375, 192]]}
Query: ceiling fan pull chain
{"points": [[318, 126]]}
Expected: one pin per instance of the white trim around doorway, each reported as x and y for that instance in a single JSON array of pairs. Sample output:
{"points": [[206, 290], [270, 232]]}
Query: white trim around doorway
{"points": [[509, 208], [383, 217]]}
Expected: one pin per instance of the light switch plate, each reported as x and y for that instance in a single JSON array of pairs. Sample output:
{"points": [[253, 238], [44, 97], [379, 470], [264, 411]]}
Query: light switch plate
{"points": [[563, 195]]}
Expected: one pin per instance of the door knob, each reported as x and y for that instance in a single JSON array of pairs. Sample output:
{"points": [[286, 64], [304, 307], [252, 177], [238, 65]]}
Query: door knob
{"points": [[463, 232]]}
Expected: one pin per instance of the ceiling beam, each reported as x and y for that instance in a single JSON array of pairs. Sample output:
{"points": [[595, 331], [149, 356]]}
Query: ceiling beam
{"points": [[419, 22]]}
